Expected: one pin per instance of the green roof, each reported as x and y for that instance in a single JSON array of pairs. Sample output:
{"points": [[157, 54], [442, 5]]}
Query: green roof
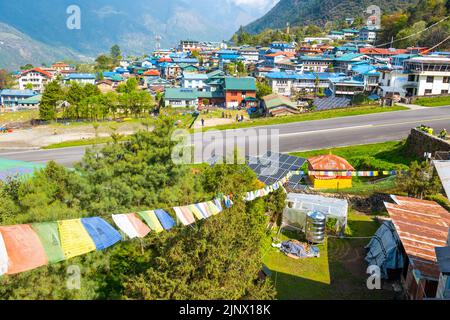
{"points": [[244, 83], [274, 100], [210, 94], [31, 100], [181, 93]]}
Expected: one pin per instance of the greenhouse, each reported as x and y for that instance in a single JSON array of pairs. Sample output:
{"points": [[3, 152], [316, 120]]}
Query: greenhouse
{"points": [[299, 205]]}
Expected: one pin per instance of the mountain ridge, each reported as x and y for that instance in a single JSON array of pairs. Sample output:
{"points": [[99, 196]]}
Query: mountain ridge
{"points": [[318, 12]]}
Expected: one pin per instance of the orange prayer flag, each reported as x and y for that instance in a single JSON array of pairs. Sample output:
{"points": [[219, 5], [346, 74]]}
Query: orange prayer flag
{"points": [[141, 228], [25, 251]]}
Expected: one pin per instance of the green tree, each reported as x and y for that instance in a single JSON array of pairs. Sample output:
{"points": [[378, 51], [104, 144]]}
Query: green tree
{"points": [[51, 96], [421, 180], [103, 63], [28, 66], [6, 79], [116, 54], [262, 89]]}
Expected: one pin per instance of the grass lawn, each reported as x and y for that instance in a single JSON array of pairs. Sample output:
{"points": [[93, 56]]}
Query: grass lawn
{"points": [[339, 272], [390, 155], [433, 101], [21, 116], [77, 143], [317, 115]]}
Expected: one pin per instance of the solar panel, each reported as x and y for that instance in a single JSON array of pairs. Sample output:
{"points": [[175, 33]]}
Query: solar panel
{"points": [[272, 167]]}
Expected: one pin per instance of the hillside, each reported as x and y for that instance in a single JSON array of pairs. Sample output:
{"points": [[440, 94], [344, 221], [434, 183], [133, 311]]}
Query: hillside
{"points": [[17, 49], [318, 12], [133, 25]]}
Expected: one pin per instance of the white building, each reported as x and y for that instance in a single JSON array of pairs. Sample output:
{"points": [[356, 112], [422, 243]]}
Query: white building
{"points": [[368, 34], [317, 39], [427, 75], [194, 81], [250, 54], [37, 78]]}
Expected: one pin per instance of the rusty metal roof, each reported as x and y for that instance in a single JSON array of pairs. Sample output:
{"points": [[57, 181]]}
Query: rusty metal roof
{"points": [[329, 162], [422, 226]]}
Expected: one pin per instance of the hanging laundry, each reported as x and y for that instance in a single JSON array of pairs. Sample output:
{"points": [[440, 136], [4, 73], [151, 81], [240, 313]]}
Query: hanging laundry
{"points": [[166, 220], [23, 247], [203, 209], [101, 232], [139, 226], [152, 221], [75, 240], [48, 233], [185, 219], [3, 257]]}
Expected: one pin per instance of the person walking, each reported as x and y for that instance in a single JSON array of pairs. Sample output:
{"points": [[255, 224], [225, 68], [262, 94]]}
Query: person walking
{"points": [[203, 122]]}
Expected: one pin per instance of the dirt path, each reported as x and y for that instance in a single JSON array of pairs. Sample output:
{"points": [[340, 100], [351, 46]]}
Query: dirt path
{"points": [[41, 136]]}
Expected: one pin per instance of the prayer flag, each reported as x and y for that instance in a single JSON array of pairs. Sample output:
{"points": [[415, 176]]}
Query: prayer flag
{"points": [[203, 209], [48, 233], [23, 247], [101, 232], [165, 219], [75, 240], [152, 221], [218, 204], [212, 207], [185, 219], [124, 224], [196, 212], [141, 229], [3, 257]]}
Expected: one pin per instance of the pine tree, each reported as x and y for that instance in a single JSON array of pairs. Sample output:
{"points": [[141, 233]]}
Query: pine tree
{"points": [[52, 94]]}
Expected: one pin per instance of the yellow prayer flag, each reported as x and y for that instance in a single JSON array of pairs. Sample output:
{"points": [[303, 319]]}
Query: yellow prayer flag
{"points": [[75, 240]]}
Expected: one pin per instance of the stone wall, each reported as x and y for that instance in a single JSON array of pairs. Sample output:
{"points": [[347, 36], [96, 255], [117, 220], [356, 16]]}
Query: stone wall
{"points": [[419, 142]]}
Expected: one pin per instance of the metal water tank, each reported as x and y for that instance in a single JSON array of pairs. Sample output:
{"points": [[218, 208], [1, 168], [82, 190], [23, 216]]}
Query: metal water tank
{"points": [[315, 227]]}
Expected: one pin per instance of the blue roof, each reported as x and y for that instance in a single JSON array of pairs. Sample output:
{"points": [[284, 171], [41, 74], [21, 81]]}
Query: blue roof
{"points": [[185, 60], [223, 51], [18, 93], [348, 57], [81, 76]]}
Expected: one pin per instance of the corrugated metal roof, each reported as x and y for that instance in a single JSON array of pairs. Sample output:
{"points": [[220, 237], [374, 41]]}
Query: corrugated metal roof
{"points": [[443, 169], [422, 226]]}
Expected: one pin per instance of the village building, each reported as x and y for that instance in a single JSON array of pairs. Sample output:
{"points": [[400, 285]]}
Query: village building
{"points": [[181, 97], [36, 78], [427, 75], [329, 163], [61, 67], [80, 78], [443, 260], [278, 105], [195, 81], [422, 226], [239, 92], [10, 99], [105, 85]]}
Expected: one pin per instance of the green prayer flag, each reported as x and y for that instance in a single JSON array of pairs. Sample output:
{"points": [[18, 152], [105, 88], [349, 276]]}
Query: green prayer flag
{"points": [[48, 233]]}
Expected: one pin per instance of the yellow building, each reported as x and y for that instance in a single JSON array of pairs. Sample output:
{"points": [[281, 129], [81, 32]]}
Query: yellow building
{"points": [[330, 163]]}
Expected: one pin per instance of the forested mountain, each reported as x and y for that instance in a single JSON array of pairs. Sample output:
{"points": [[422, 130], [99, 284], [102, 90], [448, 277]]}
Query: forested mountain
{"points": [[17, 49], [319, 12], [131, 24]]}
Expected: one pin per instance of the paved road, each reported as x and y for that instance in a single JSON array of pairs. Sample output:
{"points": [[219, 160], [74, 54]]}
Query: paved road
{"points": [[299, 136]]}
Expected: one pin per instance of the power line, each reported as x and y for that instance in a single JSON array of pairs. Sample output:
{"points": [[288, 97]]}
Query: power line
{"points": [[414, 34], [435, 46]]}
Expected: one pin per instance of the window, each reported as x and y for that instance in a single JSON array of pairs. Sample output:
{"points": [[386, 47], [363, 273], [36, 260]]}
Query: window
{"points": [[234, 93], [444, 91], [411, 78], [430, 79], [427, 91], [446, 79], [389, 83]]}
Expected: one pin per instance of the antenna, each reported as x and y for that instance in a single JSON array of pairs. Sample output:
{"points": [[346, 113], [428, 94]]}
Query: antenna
{"points": [[158, 42]]}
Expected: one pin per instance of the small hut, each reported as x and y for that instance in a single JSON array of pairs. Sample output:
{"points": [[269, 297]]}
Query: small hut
{"points": [[330, 163]]}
